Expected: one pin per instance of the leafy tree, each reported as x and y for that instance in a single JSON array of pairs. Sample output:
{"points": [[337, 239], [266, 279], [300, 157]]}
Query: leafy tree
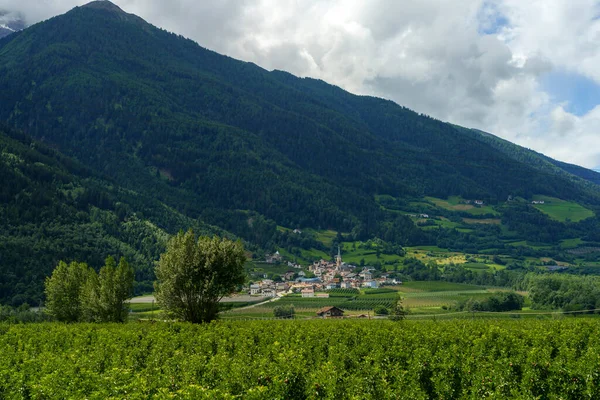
{"points": [[284, 311], [195, 273], [103, 296], [63, 291], [398, 312], [75, 292]]}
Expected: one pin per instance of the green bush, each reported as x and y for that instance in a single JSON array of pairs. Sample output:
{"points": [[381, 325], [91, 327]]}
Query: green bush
{"points": [[381, 310]]}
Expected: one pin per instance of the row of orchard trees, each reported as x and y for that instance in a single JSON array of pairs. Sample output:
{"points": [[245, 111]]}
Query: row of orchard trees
{"points": [[193, 275]]}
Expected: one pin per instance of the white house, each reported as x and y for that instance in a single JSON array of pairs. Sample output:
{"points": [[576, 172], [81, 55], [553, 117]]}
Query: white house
{"points": [[269, 293], [254, 289], [346, 285], [308, 292], [370, 284]]}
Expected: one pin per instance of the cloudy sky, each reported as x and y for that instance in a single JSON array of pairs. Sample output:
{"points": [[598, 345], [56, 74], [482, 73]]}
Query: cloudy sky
{"points": [[524, 70]]}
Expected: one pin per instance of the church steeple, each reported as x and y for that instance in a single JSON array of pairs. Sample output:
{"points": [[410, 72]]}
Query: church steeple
{"points": [[338, 259]]}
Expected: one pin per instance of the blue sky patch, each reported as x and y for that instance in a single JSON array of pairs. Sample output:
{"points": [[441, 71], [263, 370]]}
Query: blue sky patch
{"points": [[579, 92], [491, 20]]}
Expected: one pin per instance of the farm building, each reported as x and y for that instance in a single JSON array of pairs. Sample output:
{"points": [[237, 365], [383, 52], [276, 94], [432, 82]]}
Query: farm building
{"points": [[330, 312]]}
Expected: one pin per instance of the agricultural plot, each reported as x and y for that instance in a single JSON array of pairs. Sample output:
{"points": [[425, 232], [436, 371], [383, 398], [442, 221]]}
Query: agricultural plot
{"points": [[561, 210], [439, 286], [419, 296], [325, 359], [348, 300], [455, 203]]}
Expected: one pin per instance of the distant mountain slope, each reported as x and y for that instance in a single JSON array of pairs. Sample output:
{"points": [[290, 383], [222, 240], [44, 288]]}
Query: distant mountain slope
{"points": [[10, 23], [537, 160], [53, 208], [584, 173]]}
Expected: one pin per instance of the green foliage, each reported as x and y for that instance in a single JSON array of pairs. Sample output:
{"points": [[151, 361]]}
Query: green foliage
{"points": [[398, 312], [303, 359], [284, 311], [498, 302], [22, 314], [103, 296], [195, 273], [75, 292], [64, 289], [569, 293], [381, 310]]}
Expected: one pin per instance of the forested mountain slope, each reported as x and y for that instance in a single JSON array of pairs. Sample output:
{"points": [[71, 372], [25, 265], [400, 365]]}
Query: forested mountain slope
{"points": [[199, 130], [52, 208]]}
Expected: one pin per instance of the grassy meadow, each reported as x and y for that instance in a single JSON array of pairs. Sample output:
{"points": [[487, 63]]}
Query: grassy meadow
{"points": [[561, 210]]}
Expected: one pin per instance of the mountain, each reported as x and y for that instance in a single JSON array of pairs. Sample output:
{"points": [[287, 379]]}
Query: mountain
{"points": [[209, 140], [10, 23]]}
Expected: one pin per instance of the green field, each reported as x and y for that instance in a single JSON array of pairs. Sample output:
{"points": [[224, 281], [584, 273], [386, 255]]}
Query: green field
{"points": [[571, 243], [326, 237], [426, 286], [561, 210], [321, 359], [455, 203]]}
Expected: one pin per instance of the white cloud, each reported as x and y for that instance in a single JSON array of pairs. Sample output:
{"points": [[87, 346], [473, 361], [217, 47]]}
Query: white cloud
{"points": [[431, 55]]}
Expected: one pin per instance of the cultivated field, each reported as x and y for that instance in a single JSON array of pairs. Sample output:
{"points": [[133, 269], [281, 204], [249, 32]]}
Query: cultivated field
{"points": [[321, 359]]}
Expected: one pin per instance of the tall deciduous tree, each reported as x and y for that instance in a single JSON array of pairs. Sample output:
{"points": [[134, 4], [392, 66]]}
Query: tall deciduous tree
{"points": [[103, 296], [75, 292], [63, 291], [194, 274]]}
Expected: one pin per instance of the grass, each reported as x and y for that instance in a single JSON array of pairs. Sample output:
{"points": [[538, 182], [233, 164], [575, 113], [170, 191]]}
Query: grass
{"points": [[525, 243], [561, 210], [438, 286], [477, 266], [326, 237], [264, 268], [571, 243], [142, 307], [487, 221], [455, 203]]}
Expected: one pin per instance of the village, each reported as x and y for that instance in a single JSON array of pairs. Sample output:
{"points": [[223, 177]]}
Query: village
{"points": [[322, 276]]}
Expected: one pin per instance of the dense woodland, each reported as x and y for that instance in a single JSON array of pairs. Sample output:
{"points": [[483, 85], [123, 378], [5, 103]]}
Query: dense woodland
{"points": [[117, 134]]}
